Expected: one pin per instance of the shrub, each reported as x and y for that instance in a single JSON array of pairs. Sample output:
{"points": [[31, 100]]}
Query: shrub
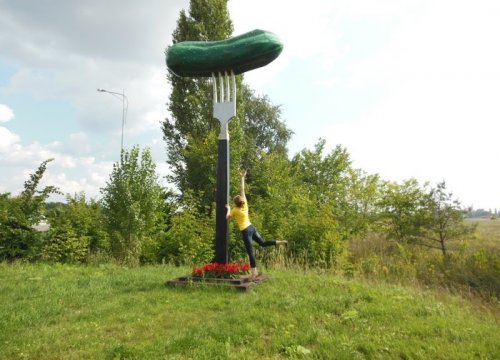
{"points": [[65, 246], [478, 272], [190, 239]]}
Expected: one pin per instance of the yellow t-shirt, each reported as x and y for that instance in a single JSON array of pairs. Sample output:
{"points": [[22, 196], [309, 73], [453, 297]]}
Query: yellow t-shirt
{"points": [[241, 216]]}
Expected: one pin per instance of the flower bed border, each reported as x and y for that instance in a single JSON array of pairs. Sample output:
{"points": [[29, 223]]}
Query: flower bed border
{"points": [[243, 282]]}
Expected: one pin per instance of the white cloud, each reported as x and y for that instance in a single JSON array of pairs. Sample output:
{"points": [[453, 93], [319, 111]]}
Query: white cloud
{"points": [[8, 140], [147, 102], [423, 73], [30, 154], [70, 173], [436, 113], [145, 87], [311, 32], [47, 32], [6, 113], [64, 51], [78, 144], [305, 33], [92, 176]]}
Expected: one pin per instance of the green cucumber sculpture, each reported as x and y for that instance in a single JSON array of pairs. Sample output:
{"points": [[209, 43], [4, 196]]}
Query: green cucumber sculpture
{"points": [[239, 54], [222, 60]]}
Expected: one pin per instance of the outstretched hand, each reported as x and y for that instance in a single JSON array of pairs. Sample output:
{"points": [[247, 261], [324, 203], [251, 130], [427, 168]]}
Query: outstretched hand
{"points": [[243, 173]]}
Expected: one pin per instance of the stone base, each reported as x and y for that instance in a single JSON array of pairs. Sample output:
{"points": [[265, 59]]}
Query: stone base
{"points": [[243, 283]]}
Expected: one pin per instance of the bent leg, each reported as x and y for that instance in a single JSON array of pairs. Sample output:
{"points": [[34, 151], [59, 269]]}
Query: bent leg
{"points": [[259, 240]]}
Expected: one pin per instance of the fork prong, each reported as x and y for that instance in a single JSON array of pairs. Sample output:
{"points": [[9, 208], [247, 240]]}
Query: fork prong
{"points": [[233, 90], [214, 87], [221, 88], [228, 91]]}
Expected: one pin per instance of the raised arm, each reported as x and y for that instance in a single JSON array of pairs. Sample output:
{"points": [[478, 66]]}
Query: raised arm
{"points": [[243, 173]]}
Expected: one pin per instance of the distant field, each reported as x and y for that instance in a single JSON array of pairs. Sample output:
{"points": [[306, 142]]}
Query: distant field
{"points": [[487, 235], [111, 312]]}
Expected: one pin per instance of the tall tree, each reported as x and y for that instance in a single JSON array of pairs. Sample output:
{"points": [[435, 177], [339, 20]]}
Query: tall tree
{"points": [[264, 130], [325, 175], [132, 204], [191, 131], [402, 210], [18, 215], [421, 216], [445, 220], [321, 228], [32, 199]]}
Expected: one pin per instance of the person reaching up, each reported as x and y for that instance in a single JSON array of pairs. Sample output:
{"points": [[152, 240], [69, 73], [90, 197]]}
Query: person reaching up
{"points": [[248, 231]]}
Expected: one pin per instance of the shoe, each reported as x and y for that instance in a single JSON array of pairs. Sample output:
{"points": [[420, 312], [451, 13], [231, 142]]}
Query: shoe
{"points": [[284, 243]]}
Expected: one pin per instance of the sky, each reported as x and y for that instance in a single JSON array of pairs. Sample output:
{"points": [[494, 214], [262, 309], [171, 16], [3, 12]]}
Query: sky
{"points": [[411, 88]]}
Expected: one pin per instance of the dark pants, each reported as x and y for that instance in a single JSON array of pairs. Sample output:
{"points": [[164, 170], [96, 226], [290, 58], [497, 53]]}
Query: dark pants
{"points": [[249, 234]]}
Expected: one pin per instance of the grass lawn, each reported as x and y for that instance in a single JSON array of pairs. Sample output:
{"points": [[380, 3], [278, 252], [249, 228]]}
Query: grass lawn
{"points": [[110, 312]]}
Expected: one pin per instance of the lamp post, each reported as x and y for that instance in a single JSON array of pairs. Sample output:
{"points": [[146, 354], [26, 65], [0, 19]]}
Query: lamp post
{"points": [[120, 96]]}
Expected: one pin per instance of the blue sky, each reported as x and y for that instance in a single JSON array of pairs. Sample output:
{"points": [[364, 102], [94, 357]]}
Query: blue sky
{"points": [[409, 87]]}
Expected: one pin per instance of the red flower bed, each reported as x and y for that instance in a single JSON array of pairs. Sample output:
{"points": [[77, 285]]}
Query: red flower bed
{"points": [[222, 271]]}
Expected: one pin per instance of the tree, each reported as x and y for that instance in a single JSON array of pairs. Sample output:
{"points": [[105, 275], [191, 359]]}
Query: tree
{"points": [[16, 235], [402, 210], [275, 195], [191, 132], [282, 207], [32, 200], [263, 129], [357, 210], [326, 176], [18, 215], [132, 205], [64, 246], [189, 240], [416, 216], [77, 230], [445, 220]]}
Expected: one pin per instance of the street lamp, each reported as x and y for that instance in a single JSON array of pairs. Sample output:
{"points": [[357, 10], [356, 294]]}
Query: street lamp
{"points": [[120, 96]]}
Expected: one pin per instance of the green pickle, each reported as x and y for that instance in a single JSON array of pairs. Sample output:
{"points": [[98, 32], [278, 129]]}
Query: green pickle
{"points": [[239, 54]]}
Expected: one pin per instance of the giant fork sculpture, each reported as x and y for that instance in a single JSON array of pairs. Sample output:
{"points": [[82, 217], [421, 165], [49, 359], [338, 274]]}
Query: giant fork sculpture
{"points": [[224, 98], [224, 101], [221, 60]]}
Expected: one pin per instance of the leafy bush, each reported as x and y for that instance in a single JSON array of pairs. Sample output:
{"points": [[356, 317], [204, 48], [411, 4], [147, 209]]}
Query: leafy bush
{"points": [[19, 214], [191, 235], [65, 246], [376, 257], [478, 272], [132, 205], [76, 231], [17, 239]]}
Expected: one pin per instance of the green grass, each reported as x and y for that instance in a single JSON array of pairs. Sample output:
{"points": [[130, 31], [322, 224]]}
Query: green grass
{"points": [[110, 312], [487, 235]]}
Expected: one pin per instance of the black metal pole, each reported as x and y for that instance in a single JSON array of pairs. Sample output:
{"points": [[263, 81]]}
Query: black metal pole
{"points": [[222, 198]]}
